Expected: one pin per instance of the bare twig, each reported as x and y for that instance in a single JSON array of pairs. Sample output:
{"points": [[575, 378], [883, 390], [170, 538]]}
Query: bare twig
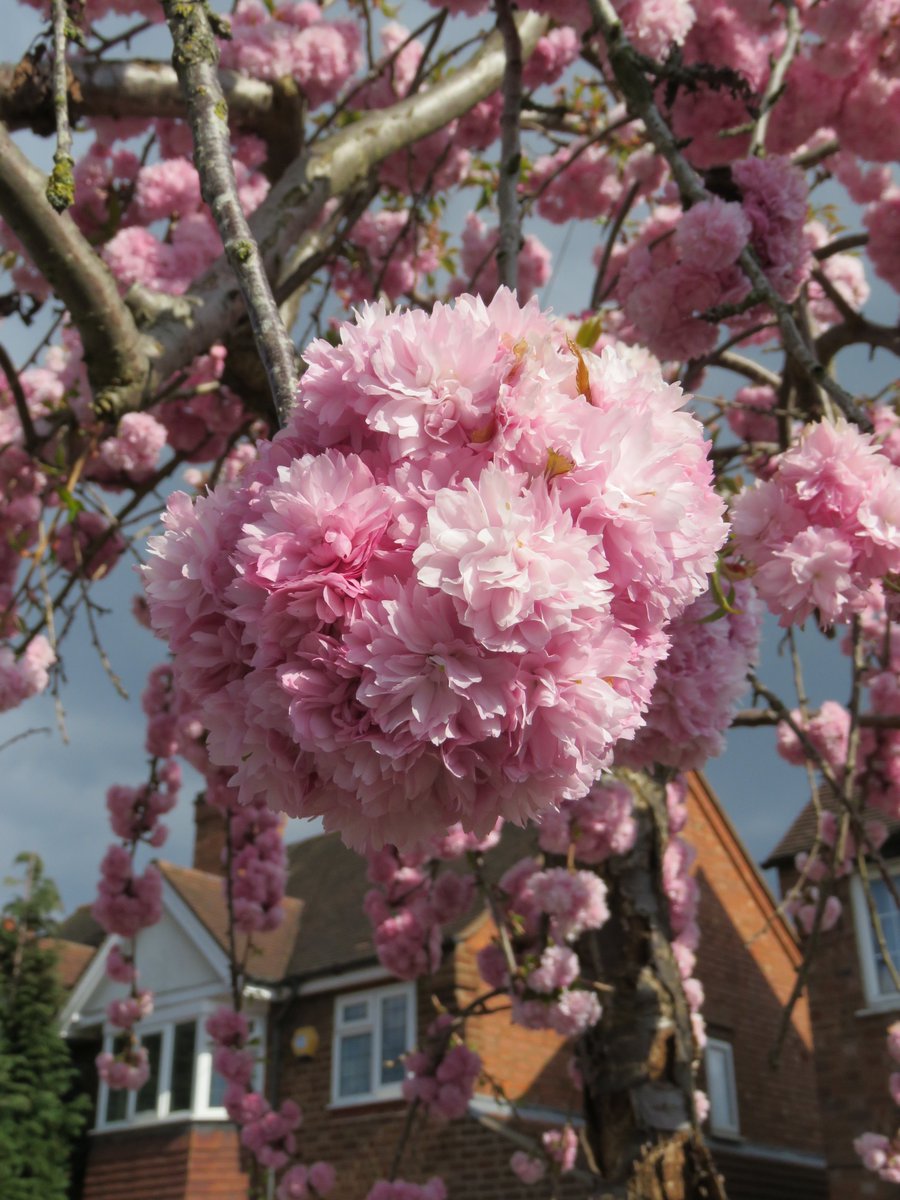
{"points": [[598, 293], [61, 184], [777, 78], [510, 150], [29, 435]]}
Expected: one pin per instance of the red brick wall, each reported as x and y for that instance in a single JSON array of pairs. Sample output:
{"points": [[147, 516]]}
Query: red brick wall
{"points": [[851, 1060], [169, 1162], [747, 964]]}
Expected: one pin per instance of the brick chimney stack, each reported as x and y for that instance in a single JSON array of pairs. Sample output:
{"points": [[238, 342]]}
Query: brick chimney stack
{"points": [[209, 838]]}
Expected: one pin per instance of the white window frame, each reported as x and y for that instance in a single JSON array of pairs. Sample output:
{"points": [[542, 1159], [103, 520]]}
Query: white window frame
{"points": [[876, 999], [370, 1024], [719, 1123], [200, 1108]]}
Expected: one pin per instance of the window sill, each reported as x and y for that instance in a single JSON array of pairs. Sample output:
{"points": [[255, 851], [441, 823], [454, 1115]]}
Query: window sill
{"points": [[151, 1121], [357, 1102], [879, 1006]]}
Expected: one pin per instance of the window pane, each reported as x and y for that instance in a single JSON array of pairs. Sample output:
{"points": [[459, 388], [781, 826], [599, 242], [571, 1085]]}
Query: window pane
{"points": [[116, 1104], [355, 1066], [217, 1089], [183, 1066], [146, 1097], [720, 1086], [393, 1038], [357, 1011], [889, 918]]}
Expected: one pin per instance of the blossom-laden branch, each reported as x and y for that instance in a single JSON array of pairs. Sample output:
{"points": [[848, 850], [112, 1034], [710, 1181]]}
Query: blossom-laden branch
{"points": [[629, 69], [195, 58]]}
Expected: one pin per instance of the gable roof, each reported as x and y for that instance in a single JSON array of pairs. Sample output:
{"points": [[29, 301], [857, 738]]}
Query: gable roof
{"points": [[801, 833], [203, 894]]}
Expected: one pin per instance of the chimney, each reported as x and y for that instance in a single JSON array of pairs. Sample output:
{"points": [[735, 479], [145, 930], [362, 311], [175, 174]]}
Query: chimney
{"points": [[209, 838]]}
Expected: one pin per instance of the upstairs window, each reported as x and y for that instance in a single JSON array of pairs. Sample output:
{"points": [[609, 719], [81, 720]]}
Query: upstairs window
{"points": [[182, 1084], [721, 1089], [372, 1032], [880, 991]]}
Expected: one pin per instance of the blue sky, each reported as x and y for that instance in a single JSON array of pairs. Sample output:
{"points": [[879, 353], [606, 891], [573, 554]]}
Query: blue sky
{"points": [[52, 792]]}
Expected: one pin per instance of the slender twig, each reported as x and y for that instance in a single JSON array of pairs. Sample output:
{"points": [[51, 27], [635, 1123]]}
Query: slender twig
{"points": [[15, 386], [20, 737], [195, 58], [776, 78], [750, 718], [747, 367], [638, 95], [61, 184], [850, 241], [510, 150], [598, 293]]}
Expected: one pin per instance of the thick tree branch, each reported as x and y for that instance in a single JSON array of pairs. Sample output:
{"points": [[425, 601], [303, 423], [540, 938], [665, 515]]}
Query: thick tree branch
{"points": [[138, 88], [638, 94], [112, 345], [332, 167], [196, 57]]}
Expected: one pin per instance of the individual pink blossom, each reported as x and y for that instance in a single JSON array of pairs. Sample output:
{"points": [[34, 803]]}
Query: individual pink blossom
{"points": [[558, 968], [597, 825], [120, 967], [125, 1012], [574, 1011], [883, 223]]}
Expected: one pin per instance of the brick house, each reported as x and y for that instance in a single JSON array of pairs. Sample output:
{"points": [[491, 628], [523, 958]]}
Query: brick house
{"points": [[331, 1023], [852, 1002]]}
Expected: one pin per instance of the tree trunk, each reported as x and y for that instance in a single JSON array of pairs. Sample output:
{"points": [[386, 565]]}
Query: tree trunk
{"points": [[638, 1061]]}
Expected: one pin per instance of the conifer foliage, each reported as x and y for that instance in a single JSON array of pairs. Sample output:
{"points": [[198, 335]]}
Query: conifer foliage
{"points": [[39, 1116]]}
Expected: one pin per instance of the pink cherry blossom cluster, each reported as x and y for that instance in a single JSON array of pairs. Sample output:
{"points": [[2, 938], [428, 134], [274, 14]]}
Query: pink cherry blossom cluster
{"points": [[478, 260], [544, 910], [26, 675], [388, 252], [125, 1012], [439, 594], [134, 812], [597, 825], [700, 682], [258, 861], [126, 901], [291, 40], [300, 1182], [402, 1189], [409, 906], [683, 896], [442, 1075], [682, 265], [130, 1068], [266, 1132], [880, 1154], [824, 527], [560, 1150]]}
